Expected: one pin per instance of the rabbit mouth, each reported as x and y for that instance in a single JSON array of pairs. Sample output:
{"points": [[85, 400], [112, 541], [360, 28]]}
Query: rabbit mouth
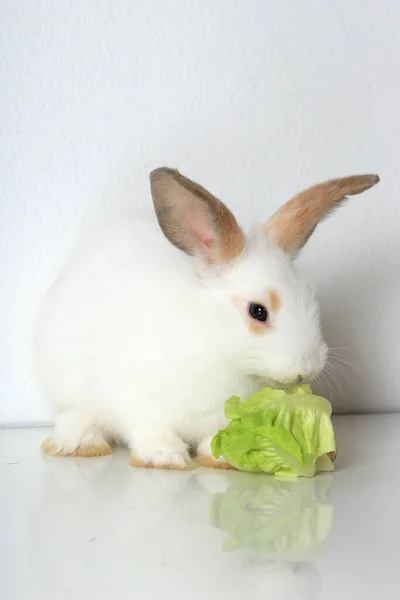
{"points": [[285, 385], [274, 383]]}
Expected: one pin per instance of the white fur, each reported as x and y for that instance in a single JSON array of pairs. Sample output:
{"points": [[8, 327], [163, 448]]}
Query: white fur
{"points": [[134, 345]]}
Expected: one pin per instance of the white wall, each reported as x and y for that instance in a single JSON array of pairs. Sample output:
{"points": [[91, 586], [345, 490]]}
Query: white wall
{"points": [[256, 99]]}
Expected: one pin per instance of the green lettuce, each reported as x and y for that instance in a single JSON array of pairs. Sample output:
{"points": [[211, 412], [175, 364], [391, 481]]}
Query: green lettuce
{"points": [[285, 432]]}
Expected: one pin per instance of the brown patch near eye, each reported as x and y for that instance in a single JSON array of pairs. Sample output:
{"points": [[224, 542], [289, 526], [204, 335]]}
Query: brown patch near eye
{"points": [[257, 327], [274, 300], [254, 326]]}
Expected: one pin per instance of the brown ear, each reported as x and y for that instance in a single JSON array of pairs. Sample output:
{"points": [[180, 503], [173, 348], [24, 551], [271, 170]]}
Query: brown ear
{"points": [[291, 226], [193, 219]]}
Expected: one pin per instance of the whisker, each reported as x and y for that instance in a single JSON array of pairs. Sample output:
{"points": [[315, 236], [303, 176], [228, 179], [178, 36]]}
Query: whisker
{"points": [[323, 382], [344, 362], [334, 375], [338, 348], [339, 372]]}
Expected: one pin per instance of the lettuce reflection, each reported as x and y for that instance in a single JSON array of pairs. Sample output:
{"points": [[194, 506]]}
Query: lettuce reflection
{"points": [[279, 520]]}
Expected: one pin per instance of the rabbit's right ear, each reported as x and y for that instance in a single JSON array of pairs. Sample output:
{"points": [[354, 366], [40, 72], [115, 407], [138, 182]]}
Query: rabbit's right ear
{"points": [[193, 219], [292, 225]]}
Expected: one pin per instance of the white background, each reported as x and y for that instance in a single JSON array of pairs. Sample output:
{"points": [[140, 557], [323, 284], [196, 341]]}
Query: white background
{"points": [[256, 99]]}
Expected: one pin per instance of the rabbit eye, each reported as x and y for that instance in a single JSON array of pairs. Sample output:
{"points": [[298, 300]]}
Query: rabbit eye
{"points": [[258, 312]]}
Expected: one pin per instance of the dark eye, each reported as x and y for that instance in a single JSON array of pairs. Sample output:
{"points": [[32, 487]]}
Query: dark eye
{"points": [[258, 311]]}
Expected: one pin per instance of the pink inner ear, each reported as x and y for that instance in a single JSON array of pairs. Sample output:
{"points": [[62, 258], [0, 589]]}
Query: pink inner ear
{"points": [[208, 243], [196, 221]]}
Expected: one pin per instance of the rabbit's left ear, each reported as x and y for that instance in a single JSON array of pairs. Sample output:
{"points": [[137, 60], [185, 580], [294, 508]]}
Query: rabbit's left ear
{"points": [[193, 219], [291, 226]]}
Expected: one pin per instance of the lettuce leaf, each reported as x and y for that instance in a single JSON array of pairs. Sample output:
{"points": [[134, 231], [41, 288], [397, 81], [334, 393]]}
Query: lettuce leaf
{"points": [[285, 432]]}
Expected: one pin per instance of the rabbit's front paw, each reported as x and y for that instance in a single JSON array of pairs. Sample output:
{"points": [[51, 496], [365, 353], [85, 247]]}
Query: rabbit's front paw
{"points": [[76, 435], [166, 452]]}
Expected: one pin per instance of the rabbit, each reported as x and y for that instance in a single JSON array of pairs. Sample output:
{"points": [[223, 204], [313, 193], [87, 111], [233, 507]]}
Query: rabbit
{"points": [[144, 336]]}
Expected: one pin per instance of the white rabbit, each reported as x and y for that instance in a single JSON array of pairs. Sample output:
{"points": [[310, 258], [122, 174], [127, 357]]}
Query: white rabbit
{"points": [[143, 337]]}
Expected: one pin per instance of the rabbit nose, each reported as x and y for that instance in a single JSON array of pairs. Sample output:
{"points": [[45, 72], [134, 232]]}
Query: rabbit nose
{"points": [[304, 376]]}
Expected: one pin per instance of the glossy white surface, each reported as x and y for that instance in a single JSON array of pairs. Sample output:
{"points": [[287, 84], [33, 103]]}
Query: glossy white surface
{"points": [[97, 528]]}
